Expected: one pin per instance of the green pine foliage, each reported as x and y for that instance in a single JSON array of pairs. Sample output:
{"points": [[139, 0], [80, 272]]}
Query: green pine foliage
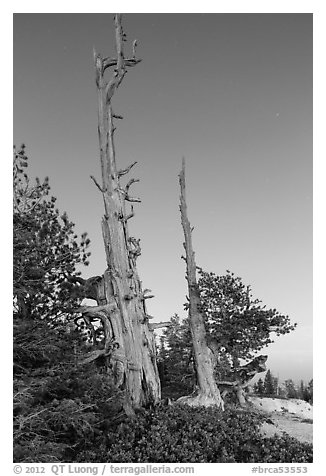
{"points": [[259, 387], [238, 321], [46, 248], [270, 386], [175, 359], [291, 389], [61, 409]]}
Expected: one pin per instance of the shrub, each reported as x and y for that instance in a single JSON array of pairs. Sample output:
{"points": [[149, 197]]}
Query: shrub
{"points": [[70, 413], [61, 409], [198, 435], [284, 449], [57, 418]]}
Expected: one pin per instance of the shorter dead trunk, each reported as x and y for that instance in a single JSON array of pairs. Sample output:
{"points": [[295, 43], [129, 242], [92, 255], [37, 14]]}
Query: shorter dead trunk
{"points": [[207, 392]]}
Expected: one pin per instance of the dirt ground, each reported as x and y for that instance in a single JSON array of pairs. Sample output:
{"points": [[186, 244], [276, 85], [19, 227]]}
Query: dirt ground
{"points": [[299, 428]]}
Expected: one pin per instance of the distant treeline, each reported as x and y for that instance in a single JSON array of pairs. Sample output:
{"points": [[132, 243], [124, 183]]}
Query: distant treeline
{"points": [[271, 386]]}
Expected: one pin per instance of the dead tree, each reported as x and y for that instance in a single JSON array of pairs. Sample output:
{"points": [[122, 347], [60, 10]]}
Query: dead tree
{"points": [[121, 309], [207, 392]]}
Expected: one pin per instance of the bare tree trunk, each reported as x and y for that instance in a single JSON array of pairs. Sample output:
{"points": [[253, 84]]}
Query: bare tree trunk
{"points": [[129, 340], [207, 392]]}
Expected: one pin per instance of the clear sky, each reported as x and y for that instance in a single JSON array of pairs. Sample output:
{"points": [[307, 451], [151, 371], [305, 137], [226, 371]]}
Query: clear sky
{"points": [[230, 92]]}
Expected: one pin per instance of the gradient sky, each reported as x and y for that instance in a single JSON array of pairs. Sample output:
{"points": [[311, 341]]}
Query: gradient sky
{"points": [[230, 92]]}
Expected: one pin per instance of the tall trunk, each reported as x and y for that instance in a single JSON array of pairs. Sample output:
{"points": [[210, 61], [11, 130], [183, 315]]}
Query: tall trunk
{"points": [[207, 392], [129, 339]]}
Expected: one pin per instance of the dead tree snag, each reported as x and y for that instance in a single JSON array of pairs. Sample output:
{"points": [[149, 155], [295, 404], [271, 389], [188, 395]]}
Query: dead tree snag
{"points": [[121, 302], [207, 392]]}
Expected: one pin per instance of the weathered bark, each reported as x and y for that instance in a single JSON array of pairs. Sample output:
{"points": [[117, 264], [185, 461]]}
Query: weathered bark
{"points": [[207, 392], [121, 301]]}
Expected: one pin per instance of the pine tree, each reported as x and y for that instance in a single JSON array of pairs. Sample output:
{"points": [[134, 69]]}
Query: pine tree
{"points": [[269, 388], [45, 248], [276, 386], [291, 389], [301, 390], [240, 324], [179, 369], [311, 390], [259, 387]]}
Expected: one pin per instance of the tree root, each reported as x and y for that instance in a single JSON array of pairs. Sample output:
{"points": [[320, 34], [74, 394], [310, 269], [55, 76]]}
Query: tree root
{"points": [[201, 400]]}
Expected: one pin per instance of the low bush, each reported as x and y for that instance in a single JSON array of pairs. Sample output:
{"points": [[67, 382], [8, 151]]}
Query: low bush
{"points": [[71, 413], [197, 435], [58, 417], [61, 409]]}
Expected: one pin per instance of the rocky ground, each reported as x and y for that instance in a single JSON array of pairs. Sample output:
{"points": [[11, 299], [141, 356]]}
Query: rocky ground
{"points": [[299, 428], [294, 417]]}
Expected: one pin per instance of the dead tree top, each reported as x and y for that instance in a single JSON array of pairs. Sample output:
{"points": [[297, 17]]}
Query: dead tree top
{"points": [[106, 89]]}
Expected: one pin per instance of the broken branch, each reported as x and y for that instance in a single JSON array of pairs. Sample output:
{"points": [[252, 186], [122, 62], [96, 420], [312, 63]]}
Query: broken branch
{"points": [[158, 325], [97, 312], [109, 62], [126, 190], [145, 296], [132, 199], [147, 316], [125, 171], [131, 181], [134, 45], [97, 184], [92, 356], [132, 214], [224, 382]]}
